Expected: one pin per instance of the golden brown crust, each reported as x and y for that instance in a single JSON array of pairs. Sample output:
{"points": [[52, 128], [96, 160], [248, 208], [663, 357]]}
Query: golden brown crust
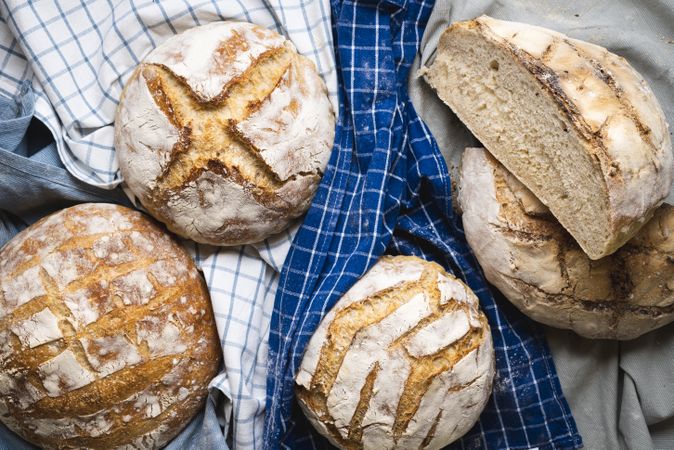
{"points": [[374, 317], [215, 175], [213, 121], [132, 345], [541, 269]]}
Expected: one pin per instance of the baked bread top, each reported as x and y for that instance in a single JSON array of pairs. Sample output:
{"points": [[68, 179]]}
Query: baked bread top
{"points": [[107, 336], [538, 266], [403, 360], [223, 133]]}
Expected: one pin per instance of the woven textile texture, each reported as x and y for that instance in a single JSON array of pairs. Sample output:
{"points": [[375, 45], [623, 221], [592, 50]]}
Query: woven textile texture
{"points": [[387, 188]]}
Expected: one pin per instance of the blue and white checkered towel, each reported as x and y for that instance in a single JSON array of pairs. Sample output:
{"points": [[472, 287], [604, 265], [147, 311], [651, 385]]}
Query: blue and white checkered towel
{"points": [[386, 187]]}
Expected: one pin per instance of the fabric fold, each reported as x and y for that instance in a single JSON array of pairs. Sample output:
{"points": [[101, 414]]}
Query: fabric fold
{"points": [[15, 117]]}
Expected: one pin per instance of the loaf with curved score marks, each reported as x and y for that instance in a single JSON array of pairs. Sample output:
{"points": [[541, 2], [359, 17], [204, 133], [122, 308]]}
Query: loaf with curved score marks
{"points": [[107, 337], [404, 360], [539, 267], [223, 133]]}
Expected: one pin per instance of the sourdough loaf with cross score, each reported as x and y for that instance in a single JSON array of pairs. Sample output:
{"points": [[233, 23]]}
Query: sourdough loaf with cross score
{"points": [[403, 360], [223, 132], [107, 337]]}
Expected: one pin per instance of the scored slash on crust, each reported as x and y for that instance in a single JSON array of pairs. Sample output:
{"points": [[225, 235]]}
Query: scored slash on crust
{"points": [[245, 147], [366, 381], [79, 384]]}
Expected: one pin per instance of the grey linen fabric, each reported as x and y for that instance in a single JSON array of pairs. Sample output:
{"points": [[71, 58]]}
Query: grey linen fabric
{"points": [[621, 393]]}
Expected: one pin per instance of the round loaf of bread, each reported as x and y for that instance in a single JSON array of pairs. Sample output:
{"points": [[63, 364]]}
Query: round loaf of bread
{"points": [[403, 360], [107, 338], [223, 133], [540, 268]]}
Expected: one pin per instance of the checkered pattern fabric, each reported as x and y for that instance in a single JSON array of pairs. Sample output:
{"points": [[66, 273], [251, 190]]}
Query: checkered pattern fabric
{"points": [[387, 187], [78, 56]]}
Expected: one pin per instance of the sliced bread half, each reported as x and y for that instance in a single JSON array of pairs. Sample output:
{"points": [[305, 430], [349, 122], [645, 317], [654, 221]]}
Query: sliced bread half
{"points": [[573, 122]]}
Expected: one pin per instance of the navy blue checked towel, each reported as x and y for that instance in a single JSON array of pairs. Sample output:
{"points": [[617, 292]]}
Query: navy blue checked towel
{"points": [[387, 189]]}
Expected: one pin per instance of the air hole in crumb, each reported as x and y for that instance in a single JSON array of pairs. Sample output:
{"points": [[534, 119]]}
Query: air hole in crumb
{"points": [[493, 65]]}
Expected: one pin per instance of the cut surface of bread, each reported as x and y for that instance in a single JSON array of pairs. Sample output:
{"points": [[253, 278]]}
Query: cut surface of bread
{"points": [[573, 122], [538, 266]]}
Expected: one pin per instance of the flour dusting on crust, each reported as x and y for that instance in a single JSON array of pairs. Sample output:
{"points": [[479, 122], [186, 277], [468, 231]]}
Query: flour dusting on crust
{"points": [[404, 349], [95, 320], [245, 167]]}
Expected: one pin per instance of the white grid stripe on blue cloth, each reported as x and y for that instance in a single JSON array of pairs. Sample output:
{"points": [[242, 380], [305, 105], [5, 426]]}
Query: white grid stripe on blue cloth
{"points": [[78, 56]]}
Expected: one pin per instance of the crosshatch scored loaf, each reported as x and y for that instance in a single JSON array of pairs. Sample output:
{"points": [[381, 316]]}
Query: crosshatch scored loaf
{"points": [[534, 262], [107, 338], [576, 124], [404, 360], [223, 132]]}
